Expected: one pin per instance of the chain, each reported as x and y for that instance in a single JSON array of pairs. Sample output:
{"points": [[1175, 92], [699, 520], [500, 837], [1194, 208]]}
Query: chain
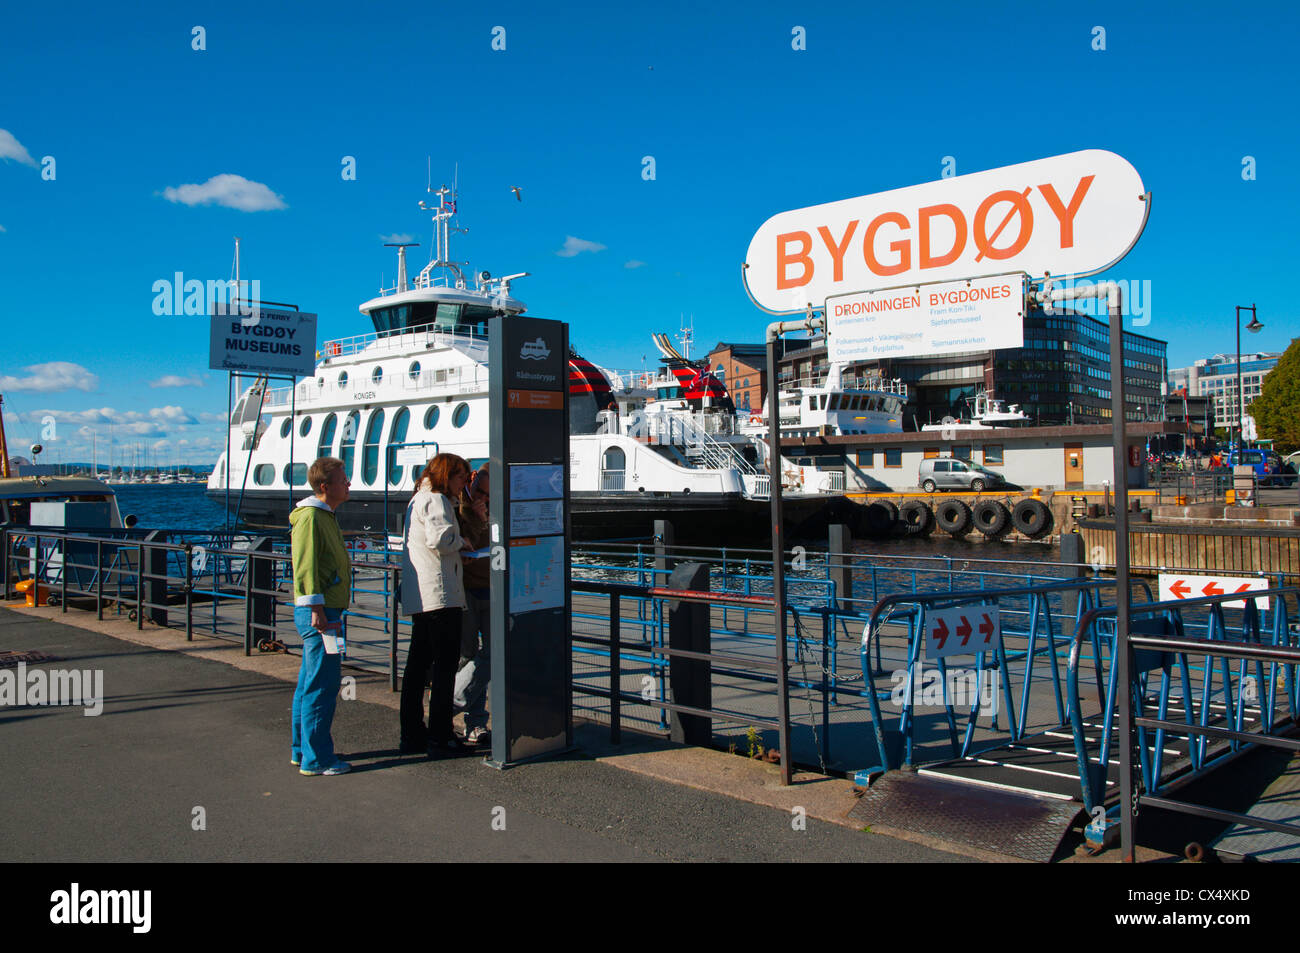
{"points": [[801, 656]]}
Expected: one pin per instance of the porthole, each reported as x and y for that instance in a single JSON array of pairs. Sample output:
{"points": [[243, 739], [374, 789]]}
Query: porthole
{"points": [[377, 374], [414, 371], [460, 415], [284, 428], [343, 379], [304, 428], [263, 474], [295, 474], [431, 417]]}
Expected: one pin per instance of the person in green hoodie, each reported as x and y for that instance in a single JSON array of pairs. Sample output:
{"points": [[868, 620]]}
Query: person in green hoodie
{"points": [[322, 579]]}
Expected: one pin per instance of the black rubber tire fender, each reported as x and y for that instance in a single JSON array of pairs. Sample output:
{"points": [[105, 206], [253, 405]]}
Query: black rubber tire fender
{"points": [[953, 516], [916, 518], [1033, 518], [991, 518], [879, 517]]}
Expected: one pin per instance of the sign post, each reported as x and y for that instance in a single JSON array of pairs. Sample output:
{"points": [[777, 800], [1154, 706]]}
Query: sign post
{"points": [[530, 606]]}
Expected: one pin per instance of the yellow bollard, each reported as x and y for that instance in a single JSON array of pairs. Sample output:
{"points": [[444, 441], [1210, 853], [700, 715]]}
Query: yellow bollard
{"points": [[1230, 497]]}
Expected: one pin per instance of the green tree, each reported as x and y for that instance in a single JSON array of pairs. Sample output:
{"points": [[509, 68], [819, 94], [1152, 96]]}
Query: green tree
{"points": [[1277, 409]]}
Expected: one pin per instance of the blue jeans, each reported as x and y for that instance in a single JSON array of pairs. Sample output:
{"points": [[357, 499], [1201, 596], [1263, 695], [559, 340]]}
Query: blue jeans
{"points": [[317, 693]]}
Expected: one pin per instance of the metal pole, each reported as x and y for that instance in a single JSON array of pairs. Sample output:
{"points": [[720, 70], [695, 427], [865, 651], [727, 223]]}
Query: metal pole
{"points": [[230, 412], [1119, 411], [615, 671], [1241, 408], [778, 560]]}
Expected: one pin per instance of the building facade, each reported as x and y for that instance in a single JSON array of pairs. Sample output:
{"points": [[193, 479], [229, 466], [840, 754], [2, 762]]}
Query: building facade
{"points": [[1060, 376], [1215, 378]]}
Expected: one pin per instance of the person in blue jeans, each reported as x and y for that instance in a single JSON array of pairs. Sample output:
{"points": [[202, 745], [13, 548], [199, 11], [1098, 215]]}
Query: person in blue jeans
{"points": [[321, 586]]}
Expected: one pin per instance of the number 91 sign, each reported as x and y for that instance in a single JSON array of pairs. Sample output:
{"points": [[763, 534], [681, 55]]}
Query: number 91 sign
{"points": [[962, 631]]}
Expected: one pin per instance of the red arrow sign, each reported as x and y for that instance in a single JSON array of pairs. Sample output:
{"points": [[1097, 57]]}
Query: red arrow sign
{"points": [[941, 632], [1180, 590], [1242, 588], [1212, 590], [986, 627], [964, 630]]}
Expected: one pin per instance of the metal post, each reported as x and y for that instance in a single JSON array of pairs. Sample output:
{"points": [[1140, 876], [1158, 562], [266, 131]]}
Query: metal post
{"points": [[139, 586], [664, 562], [615, 671], [63, 578], [1118, 410], [4, 557], [394, 576], [99, 580], [189, 594], [778, 560]]}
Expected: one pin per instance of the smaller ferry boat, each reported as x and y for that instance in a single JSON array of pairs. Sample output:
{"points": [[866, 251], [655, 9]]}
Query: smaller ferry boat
{"points": [[987, 413], [836, 406]]}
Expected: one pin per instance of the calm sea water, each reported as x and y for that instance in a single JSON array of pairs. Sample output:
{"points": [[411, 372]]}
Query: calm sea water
{"points": [[170, 506]]}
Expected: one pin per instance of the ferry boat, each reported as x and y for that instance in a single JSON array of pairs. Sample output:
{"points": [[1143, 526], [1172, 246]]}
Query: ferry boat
{"points": [[836, 406], [386, 401], [18, 493], [987, 413]]}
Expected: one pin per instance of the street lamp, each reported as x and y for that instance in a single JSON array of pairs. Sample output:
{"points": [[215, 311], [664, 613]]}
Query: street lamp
{"points": [[1241, 399]]}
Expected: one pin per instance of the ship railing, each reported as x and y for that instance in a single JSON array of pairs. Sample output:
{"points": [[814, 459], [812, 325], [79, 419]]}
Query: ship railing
{"points": [[682, 430], [401, 339], [637, 380], [879, 385], [469, 380]]}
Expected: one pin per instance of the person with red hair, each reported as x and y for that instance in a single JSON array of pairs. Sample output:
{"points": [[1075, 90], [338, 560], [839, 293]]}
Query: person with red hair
{"points": [[433, 594]]}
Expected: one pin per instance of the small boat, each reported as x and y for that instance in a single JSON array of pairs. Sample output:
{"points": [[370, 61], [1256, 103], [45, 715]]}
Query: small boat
{"points": [[987, 413]]}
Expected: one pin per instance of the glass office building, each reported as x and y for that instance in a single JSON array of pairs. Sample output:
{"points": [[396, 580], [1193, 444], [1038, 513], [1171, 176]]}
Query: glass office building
{"points": [[1060, 376]]}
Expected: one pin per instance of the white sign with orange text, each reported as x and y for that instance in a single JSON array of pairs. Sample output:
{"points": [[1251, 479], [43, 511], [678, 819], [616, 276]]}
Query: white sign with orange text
{"points": [[1075, 214], [978, 315]]}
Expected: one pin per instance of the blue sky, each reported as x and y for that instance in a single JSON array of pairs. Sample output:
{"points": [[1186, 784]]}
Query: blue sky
{"points": [[740, 126]]}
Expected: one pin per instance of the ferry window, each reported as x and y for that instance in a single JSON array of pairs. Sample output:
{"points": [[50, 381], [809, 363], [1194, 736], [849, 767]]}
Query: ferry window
{"points": [[343, 379], [460, 415], [812, 401], [295, 474], [961, 453], [348, 442], [866, 458], [326, 445], [823, 402], [615, 459], [304, 428], [993, 453], [397, 436], [377, 374], [239, 409], [930, 453], [894, 457], [414, 371], [263, 474], [284, 428], [370, 451], [448, 316], [431, 417]]}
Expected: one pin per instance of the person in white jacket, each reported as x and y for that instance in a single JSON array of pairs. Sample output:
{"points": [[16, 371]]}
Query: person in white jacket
{"points": [[433, 594]]}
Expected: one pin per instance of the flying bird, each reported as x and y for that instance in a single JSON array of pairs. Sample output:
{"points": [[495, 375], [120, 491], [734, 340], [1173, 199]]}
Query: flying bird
{"points": [[515, 189]]}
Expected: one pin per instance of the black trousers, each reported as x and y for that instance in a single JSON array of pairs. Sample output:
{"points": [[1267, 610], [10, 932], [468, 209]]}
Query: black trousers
{"points": [[435, 641]]}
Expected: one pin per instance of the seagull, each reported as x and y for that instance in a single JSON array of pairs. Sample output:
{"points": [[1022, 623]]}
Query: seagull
{"points": [[515, 189]]}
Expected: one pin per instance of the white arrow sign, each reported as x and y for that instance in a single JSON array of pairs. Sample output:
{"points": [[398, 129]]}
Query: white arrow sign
{"points": [[961, 631], [1174, 585]]}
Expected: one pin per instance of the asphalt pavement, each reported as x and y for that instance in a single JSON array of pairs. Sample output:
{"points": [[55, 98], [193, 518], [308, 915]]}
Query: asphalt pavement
{"points": [[189, 761]]}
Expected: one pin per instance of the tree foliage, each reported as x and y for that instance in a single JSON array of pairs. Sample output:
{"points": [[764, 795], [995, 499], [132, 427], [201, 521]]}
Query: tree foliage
{"points": [[1277, 409]]}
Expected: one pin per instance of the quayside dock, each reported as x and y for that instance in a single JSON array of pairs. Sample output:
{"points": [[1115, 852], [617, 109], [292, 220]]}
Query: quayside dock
{"points": [[1010, 751]]}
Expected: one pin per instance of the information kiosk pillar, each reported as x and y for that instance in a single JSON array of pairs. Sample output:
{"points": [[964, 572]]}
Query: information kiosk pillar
{"points": [[531, 611]]}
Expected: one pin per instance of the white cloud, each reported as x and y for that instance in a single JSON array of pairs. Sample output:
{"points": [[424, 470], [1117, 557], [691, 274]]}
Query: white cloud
{"points": [[210, 418], [633, 264], [11, 148], [231, 191], [56, 375], [174, 380], [397, 238], [576, 246]]}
